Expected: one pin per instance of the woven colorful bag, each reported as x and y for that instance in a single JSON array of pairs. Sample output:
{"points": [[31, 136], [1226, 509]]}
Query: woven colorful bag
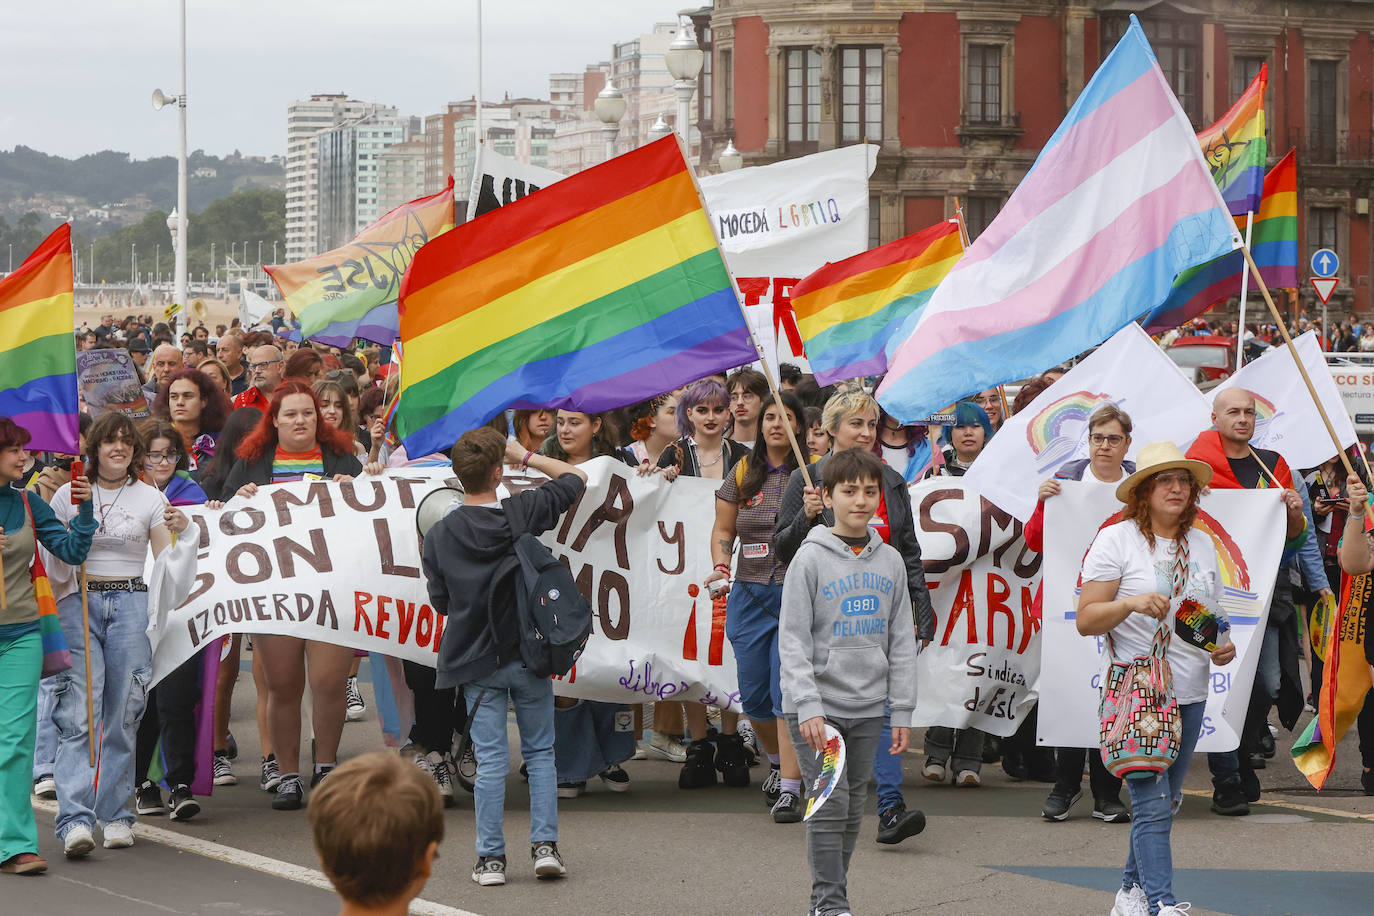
{"points": [[56, 656], [1141, 726]]}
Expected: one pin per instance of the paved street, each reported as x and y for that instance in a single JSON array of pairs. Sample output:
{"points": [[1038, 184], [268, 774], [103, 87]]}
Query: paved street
{"points": [[657, 848]]}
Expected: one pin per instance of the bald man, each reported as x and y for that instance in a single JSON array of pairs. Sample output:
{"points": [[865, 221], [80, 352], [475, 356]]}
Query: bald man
{"points": [[1237, 465], [166, 359], [265, 367]]}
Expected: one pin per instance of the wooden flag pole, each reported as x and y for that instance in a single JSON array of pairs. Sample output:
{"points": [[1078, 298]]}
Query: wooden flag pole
{"points": [[1293, 351], [1268, 473], [86, 641], [739, 301]]}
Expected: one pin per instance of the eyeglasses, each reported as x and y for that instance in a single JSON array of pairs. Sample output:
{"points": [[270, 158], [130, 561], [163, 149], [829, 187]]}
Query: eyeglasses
{"points": [[257, 366], [985, 399], [1181, 478], [159, 457], [338, 373], [1099, 440]]}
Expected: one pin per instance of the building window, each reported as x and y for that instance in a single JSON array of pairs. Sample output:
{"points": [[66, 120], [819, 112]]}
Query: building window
{"points": [[979, 212], [1177, 46], [861, 94], [1322, 95], [1243, 73], [875, 220], [727, 89], [803, 99], [983, 89], [707, 87], [1321, 229]]}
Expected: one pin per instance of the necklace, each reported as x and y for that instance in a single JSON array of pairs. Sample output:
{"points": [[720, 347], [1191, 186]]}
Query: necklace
{"points": [[104, 509], [714, 461]]}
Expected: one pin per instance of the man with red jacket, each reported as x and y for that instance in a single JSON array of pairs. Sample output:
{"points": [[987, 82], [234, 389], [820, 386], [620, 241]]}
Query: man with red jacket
{"points": [[1236, 465]]}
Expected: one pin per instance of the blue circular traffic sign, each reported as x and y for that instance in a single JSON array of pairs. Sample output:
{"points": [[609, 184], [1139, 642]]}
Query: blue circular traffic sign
{"points": [[1325, 263]]}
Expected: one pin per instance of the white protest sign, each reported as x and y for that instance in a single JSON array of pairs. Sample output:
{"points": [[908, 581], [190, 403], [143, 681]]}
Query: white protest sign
{"points": [[340, 563], [498, 180], [108, 381], [253, 309], [1286, 420], [1246, 526], [981, 668], [1129, 370]]}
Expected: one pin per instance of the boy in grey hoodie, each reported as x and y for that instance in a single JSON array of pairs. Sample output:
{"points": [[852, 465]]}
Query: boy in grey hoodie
{"points": [[847, 646]]}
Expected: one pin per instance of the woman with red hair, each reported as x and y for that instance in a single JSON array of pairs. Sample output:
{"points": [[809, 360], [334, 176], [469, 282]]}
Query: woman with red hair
{"points": [[289, 443]]}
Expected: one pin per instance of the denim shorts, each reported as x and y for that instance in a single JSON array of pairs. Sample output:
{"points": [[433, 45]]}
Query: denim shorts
{"points": [[751, 625]]}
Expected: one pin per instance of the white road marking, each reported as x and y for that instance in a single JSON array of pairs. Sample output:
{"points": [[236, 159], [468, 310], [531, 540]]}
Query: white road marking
{"points": [[245, 859]]}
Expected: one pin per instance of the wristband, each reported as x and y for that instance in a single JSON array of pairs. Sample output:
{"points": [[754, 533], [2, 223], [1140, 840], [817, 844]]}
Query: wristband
{"points": [[723, 567], [526, 462]]}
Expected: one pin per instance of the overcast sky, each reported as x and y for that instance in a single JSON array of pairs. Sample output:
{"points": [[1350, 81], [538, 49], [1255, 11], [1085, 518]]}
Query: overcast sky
{"points": [[78, 74]]}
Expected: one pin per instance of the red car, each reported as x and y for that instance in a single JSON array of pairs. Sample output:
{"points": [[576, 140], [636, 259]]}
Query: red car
{"points": [[1213, 357]]}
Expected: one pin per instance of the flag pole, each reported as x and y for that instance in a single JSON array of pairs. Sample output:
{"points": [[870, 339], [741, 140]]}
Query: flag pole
{"points": [[1293, 351], [739, 301], [1244, 291], [964, 242]]}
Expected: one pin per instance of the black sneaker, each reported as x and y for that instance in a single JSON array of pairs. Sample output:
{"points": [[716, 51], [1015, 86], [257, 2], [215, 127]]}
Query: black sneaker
{"points": [[1111, 811], [772, 786], [231, 747], [183, 804], [224, 772], [1230, 801], [320, 774], [1266, 745], [290, 794], [547, 862], [732, 761], [1057, 807], [148, 799], [698, 771], [897, 823], [466, 768], [271, 775], [787, 809], [490, 871], [1367, 782], [1015, 766], [615, 778], [1249, 784], [992, 749]]}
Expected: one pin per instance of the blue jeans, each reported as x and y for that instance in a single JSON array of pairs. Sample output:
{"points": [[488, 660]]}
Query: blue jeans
{"points": [[45, 750], [1150, 863], [533, 698], [751, 625], [887, 768], [121, 666]]}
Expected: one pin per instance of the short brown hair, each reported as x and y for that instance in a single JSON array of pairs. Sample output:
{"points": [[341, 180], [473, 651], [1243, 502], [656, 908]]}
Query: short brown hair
{"points": [[850, 466], [12, 435], [106, 428], [1106, 412], [475, 455], [373, 819]]}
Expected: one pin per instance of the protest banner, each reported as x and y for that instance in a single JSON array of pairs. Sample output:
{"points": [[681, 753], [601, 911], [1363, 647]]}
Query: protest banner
{"points": [[1129, 370], [980, 670], [108, 381], [1246, 526], [498, 180], [340, 563], [1284, 419]]}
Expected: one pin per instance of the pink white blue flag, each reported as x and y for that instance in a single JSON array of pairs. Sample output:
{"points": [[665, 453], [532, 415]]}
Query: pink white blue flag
{"points": [[1118, 203]]}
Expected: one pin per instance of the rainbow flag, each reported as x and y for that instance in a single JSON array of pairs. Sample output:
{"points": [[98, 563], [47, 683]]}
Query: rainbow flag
{"points": [[38, 350], [601, 290], [1236, 149], [849, 310], [1274, 246], [352, 291]]}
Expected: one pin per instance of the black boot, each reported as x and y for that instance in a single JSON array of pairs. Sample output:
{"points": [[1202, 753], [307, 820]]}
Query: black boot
{"points": [[732, 761], [698, 772]]}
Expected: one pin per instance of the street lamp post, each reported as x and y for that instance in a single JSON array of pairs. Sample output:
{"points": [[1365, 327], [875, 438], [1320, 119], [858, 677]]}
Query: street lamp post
{"points": [[610, 108], [730, 159], [659, 130], [259, 252], [161, 99], [684, 58]]}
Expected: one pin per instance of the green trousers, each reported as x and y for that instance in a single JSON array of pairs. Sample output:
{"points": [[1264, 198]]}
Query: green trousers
{"points": [[21, 660]]}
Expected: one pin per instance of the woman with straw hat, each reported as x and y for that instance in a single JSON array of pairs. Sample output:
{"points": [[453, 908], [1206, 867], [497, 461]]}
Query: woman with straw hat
{"points": [[1129, 576]]}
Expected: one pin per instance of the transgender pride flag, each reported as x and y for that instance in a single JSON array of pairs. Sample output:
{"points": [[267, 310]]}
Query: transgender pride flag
{"points": [[1117, 204]]}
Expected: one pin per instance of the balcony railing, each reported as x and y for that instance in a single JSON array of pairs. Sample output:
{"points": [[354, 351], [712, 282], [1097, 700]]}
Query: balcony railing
{"points": [[1007, 127], [1318, 146]]}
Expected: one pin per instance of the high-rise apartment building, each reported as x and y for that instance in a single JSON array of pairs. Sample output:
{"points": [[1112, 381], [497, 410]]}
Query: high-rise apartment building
{"points": [[401, 174], [348, 195], [304, 119]]}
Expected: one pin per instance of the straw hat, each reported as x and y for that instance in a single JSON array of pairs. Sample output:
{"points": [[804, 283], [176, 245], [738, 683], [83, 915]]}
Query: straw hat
{"points": [[1161, 456]]}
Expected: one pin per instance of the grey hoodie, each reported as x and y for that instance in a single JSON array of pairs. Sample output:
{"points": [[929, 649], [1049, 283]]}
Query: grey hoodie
{"points": [[846, 639]]}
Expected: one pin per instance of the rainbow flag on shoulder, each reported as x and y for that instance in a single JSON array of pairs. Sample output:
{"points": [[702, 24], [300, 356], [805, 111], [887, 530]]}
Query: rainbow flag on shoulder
{"points": [[38, 349], [601, 290], [1274, 246], [1236, 149], [352, 291], [849, 310]]}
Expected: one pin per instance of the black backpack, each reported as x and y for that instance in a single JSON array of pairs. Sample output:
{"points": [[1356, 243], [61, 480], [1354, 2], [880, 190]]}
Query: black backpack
{"points": [[554, 619]]}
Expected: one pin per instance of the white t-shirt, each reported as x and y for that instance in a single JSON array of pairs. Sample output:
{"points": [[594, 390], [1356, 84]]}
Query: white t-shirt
{"points": [[1121, 552], [125, 517]]}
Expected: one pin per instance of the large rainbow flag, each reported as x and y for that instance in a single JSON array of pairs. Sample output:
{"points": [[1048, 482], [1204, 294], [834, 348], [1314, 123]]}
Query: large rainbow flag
{"points": [[38, 350], [848, 310], [352, 291], [601, 290], [1274, 246], [1236, 149]]}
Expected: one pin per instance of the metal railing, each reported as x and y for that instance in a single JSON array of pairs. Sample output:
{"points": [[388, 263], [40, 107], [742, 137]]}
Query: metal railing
{"points": [[1319, 146]]}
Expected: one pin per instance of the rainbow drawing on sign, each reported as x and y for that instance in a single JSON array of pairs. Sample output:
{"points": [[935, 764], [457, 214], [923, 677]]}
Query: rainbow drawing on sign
{"points": [[832, 768], [1055, 433], [1265, 414]]}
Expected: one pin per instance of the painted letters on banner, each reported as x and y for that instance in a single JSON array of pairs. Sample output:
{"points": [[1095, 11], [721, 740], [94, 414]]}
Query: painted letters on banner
{"points": [[499, 180], [980, 670], [1246, 526], [340, 563]]}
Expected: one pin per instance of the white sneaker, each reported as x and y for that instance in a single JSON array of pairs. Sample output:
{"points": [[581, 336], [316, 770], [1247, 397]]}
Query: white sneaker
{"points": [[45, 787], [1178, 909], [118, 836], [1131, 902], [78, 842], [968, 780], [933, 771], [355, 707], [662, 747]]}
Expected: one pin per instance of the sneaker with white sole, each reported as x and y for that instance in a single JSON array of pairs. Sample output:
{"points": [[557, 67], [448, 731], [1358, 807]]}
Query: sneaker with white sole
{"points": [[77, 842], [615, 778], [45, 787], [1131, 902], [354, 697], [968, 779], [441, 770], [271, 775], [547, 861], [663, 747], [1177, 909], [753, 751], [118, 835], [465, 770], [224, 771], [182, 804], [571, 789], [772, 786], [490, 871], [934, 770], [148, 799]]}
